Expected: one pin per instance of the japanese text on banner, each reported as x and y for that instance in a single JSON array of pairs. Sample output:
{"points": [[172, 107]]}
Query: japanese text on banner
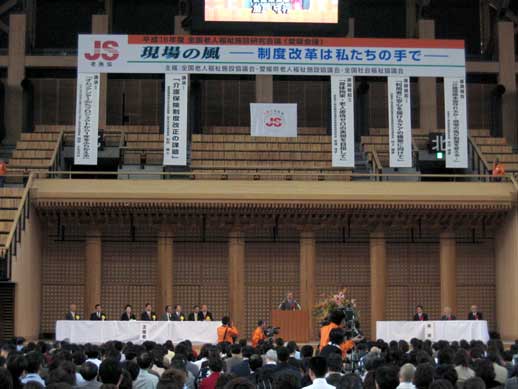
{"points": [[456, 123], [342, 114], [175, 119], [400, 127], [87, 119]]}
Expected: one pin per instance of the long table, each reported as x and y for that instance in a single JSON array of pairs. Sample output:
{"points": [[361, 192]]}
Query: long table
{"points": [[433, 330], [96, 332]]}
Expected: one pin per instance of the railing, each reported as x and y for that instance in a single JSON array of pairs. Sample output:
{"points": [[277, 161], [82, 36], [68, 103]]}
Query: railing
{"points": [[266, 175], [476, 158], [375, 163], [15, 235], [55, 161]]}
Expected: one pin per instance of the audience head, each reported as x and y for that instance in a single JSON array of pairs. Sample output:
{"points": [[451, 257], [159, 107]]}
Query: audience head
{"points": [[240, 383], [317, 367], [283, 354], [423, 375], [307, 351], [334, 363], [110, 372], [441, 384], [406, 373], [285, 381], [350, 381], [34, 360], [387, 377], [271, 356], [225, 320], [88, 371], [215, 364], [336, 336], [446, 372], [224, 379], [144, 360], [6, 380], [172, 379], [474, 383], [255, 362], [485, 370]]}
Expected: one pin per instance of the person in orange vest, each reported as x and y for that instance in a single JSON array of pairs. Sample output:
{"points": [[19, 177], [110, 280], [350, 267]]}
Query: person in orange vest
{"points": [[3, 172], [227, 332], [336, 319], [258, 335], [498, 169]]}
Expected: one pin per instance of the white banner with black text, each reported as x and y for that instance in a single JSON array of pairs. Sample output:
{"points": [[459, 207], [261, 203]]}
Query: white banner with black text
{"points": [[342, 117], [400, 126], [456, 123], [279, 120], [87, 119], [175, 119]]}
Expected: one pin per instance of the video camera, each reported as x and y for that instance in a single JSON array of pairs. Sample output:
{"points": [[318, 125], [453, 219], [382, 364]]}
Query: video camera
{"points": [[271, 331]]}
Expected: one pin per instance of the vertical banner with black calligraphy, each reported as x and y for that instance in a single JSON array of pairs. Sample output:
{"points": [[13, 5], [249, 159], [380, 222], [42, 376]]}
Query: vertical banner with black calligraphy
{"points": [[175, 119], [456, 123], [87, 119], [342, 117], [400, 126]]}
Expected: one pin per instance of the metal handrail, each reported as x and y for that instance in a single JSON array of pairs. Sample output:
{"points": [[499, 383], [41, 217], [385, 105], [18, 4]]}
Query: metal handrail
{"points": [[55, 160], [480, 161], [15, 234]]}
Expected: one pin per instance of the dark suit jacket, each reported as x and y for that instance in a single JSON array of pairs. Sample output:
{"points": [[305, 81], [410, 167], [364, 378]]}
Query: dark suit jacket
{"points": [[144, 316], [178, 317], [69, 316], [425, 317], [471, 316], [191, 316], [201, 317], [241, 369], [124, 317], [93, 316], [285, 368], [452, 317]]}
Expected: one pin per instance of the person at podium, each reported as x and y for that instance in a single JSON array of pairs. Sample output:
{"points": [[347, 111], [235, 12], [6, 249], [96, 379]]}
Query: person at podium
{"points": [[447, 315], [289, 303], [419, 314]]}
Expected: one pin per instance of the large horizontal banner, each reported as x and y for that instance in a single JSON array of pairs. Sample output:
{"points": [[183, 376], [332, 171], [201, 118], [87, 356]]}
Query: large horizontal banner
{"points": [[87, 119], [279, 120], [270, 55], [342, 118]]}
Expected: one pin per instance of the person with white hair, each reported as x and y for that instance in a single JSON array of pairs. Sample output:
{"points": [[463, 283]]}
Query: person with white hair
{"points": [[406, 376]]}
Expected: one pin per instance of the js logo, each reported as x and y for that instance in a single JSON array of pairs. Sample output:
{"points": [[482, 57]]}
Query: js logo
{"points": [[107, 50], [274, 122]]}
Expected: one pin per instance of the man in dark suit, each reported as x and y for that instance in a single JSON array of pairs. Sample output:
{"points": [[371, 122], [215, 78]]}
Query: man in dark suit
{"points": [[447, 315], [98, 314], [195, 314], [289, 303], [475, 314], [128, 314], [177, 314], [148, 314], [204, 314], [72, 313], [419, 314], [168, 314], [243, 368]]}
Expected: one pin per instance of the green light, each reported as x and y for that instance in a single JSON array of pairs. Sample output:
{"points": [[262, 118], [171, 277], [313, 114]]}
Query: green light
{"points": [[439, 155]]}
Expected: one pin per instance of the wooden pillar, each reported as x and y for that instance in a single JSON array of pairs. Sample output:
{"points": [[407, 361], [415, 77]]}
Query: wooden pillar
{"points": [[236, 279], [411, 16], [378, 259], [264, 88], [427, 85], [15, 74], [178, 29], [448, 265], [506, 275], [100, 25], [307, 272], [351, 28], [507, 77], [165, 267], [93, 269]]}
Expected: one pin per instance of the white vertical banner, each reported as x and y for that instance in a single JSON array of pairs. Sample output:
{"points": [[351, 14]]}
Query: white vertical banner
{"points": [[87, 119], [456, 123], [342, 118], [400, 126], [175, 119]]}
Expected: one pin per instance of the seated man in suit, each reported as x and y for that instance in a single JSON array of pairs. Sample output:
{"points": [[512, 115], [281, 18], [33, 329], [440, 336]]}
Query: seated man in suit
{"points": [[72, 313], [195, 314], [148, 314], [447, 315], [168, 314], [177, 314], [128, 314], [419, 314], [205, 314], [475, 314], [98, 314]]}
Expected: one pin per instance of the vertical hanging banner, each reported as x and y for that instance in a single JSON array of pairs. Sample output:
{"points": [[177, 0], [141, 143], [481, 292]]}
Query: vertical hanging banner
{"points": [[400, 126], [175, 119], [456, 123], [342, 117], [87, 119]]}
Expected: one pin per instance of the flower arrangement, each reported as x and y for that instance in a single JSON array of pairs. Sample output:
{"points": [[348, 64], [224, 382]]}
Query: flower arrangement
{"points": [[329, 303]]}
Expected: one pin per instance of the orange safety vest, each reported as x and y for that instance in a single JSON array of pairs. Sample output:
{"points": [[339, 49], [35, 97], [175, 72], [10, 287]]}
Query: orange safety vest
{"points": [[227, 334]]}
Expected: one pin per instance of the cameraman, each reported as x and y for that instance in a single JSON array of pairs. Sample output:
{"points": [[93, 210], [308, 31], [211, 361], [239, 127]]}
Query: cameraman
{"points": [[258, 335], [227, 332], [336, 319]]}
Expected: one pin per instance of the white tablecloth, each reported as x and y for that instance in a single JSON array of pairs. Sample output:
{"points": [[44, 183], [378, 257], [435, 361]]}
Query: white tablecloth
{"points": [[82, 331], [433, 330]]}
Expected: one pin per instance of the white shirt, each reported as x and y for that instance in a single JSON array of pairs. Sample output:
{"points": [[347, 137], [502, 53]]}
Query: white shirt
{"points": [[320, 383], [406, 385], [95, 361]]}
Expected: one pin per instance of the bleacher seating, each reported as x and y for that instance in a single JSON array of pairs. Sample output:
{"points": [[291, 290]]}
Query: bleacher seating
{"points": [[495, 147], [9, 202], [34, 151]]}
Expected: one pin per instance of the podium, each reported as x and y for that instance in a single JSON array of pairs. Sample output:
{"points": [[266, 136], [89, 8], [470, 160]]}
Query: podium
{"points": [[294, 325]]}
